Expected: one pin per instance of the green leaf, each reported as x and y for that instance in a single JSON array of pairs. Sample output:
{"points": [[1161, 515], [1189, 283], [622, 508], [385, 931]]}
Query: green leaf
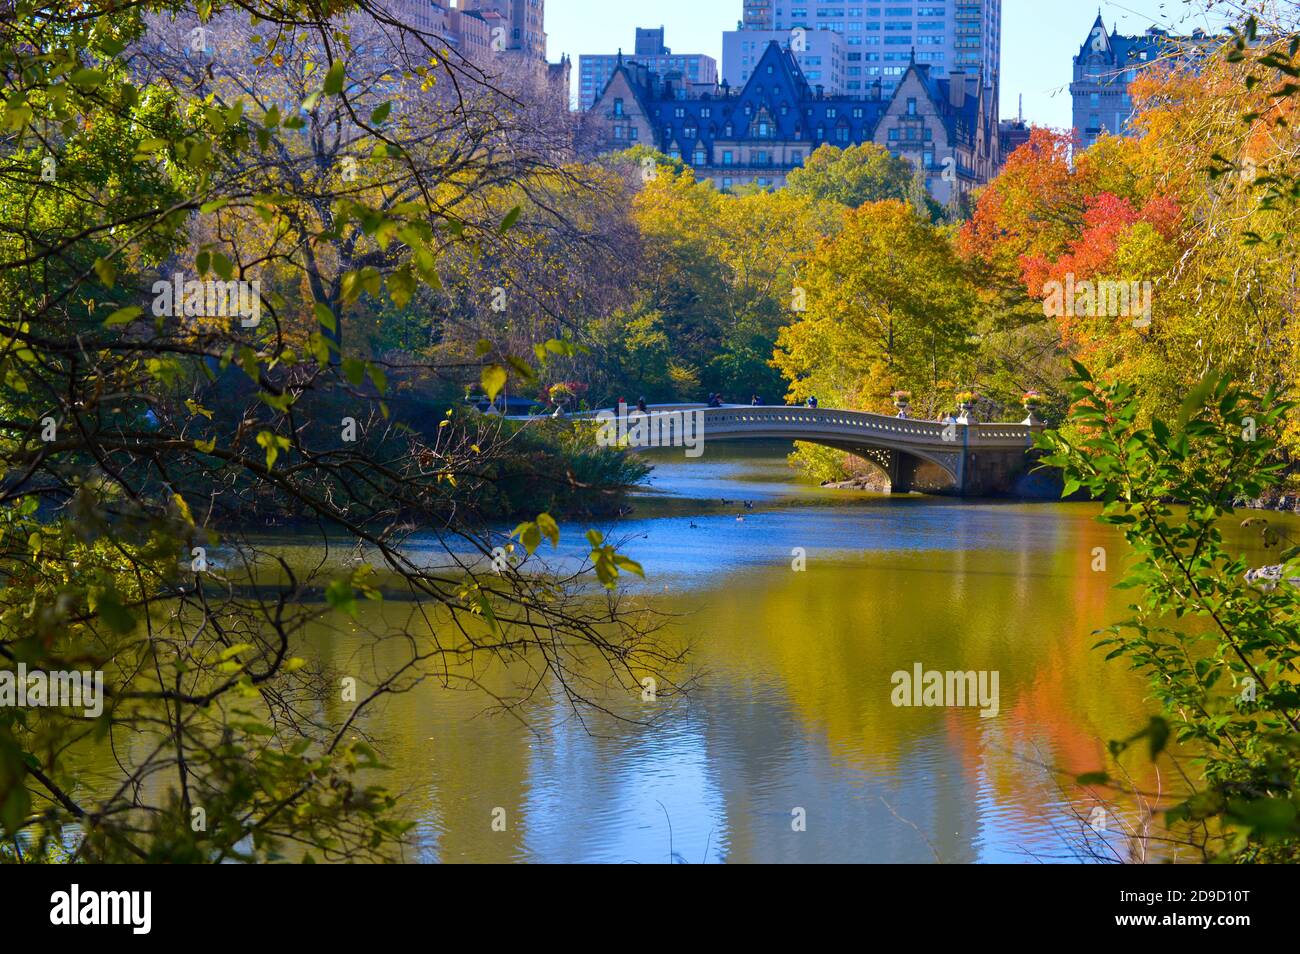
{"points": [[627, 563], [1196, 398], [106, 271], [549, 528], [17, 803], [511, 218], [334, 79], [529, 535], [87, 78], [325, 318], [354, 370], [110, 609], [273, 443], [339, 595], [493, 379], [123, 316]]}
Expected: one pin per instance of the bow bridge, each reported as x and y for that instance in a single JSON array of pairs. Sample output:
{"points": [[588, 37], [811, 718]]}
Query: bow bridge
{"points": [[964, 458]]}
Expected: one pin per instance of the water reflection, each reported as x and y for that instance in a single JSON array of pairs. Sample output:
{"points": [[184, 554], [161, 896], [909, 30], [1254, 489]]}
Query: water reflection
{"points": [[793, 712]]}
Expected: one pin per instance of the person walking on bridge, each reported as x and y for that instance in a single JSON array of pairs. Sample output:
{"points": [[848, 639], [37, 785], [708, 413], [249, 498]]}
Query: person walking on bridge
{"points": [[812, 400]]}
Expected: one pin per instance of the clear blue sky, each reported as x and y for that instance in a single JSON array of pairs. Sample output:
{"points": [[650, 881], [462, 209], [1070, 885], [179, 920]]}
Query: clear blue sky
{"points": [[1039, 37]]}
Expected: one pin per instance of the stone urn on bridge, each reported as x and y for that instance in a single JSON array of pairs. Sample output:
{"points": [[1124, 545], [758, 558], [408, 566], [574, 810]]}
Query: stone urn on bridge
{"points": [[966, 401], [903, 402], [1032, 402]]}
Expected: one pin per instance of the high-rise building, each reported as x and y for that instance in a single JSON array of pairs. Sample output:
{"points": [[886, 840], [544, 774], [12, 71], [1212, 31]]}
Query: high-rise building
{"points": [[480, 28], [691, 70], [515, 25], [946, 35], [821, 55]]}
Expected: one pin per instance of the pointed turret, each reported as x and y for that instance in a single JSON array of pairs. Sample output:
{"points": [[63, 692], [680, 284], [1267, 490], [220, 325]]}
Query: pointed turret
{"points": [[1098, 42]]}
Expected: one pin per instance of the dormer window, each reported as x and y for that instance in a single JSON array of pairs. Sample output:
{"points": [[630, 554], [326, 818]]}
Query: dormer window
{"points": [[764, 129], [618, 107], [679, 112], [911, 107], [688, 132], [728, 130]]}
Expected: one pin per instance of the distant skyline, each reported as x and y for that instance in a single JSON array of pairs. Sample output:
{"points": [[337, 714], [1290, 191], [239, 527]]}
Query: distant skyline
{"points": [[1039, 37]]}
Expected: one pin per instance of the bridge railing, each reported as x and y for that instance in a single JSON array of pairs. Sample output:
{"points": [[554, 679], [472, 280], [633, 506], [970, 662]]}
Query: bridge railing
{"points": [[879, 426]]}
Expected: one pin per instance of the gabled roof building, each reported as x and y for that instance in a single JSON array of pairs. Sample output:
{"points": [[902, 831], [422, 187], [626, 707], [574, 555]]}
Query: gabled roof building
{"points": [[758, 134], [1108, 62]]}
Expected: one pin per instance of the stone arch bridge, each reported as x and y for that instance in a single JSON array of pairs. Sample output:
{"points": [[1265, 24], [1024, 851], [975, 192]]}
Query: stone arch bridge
{"points": [[963, 459]]}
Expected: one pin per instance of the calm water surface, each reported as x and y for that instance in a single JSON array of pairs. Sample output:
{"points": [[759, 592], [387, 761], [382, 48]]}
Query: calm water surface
{"points": [[793, 705]]}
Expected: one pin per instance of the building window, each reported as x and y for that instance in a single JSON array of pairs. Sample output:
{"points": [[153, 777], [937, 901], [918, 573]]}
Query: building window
{"points": [[618, 107], [728, 157], [911, 107], [699, 156]]}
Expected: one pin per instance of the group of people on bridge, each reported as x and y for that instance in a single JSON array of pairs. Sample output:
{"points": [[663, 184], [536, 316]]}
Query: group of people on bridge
{"points": [[715, 400]]}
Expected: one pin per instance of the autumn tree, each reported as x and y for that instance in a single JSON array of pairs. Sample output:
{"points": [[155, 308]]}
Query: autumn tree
{"points": [[889, 307]]}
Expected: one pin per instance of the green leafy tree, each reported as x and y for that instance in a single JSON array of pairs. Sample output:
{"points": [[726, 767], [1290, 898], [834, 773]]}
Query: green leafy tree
{"points": [[852, 176], [1219, 641]]}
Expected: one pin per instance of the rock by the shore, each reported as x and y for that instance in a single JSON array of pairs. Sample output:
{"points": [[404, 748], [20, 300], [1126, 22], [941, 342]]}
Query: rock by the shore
{"points": [[875, 483]]}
